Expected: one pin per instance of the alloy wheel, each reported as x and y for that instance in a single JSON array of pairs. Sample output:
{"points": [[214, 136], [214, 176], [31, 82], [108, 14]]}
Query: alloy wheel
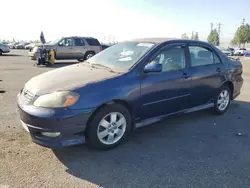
{"points": [[111, 128], [223, 100]]}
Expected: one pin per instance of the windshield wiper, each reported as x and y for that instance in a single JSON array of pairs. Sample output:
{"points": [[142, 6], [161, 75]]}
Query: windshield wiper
{"points": [[103, 66]]}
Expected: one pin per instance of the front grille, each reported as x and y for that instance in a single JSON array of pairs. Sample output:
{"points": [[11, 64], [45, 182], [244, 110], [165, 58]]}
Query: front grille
{"points": [[27, 96]]}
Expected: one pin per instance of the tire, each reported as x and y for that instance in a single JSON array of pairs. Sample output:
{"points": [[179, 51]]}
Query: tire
{"points": [[89, 55], [222, 104], [118, 130], [1, 52], [80, 60]]}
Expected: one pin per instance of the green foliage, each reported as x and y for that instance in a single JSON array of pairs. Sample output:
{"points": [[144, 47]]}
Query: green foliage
{"points": [[214, 38], [242, 35]]}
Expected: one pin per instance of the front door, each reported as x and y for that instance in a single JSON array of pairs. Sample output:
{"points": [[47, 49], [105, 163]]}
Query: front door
{"points": [[65, 49], [168, 91], [207, 72]]}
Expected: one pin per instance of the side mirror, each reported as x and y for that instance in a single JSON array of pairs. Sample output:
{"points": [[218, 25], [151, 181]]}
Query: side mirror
{"points": [[60, 44], [153, 67]]}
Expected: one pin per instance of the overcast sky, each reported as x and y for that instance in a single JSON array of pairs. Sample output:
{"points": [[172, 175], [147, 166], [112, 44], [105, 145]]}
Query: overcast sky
{"points": [[124, 19]]}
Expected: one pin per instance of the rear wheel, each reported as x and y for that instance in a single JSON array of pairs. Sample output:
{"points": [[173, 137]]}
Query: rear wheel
{"points": [[80, 60], [223, 100], [89, 55], [109, 127]]}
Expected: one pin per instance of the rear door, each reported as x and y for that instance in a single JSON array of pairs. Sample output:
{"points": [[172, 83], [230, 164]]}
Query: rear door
{"points": [[65, 49], [80, 48], [94, 45], [207, 72]]}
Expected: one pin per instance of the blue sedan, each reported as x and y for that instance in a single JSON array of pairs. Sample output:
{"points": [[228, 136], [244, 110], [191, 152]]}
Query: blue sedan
{"points": [[128, 85]]}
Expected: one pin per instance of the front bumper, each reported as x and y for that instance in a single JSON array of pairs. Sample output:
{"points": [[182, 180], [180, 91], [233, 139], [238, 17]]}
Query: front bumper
{"points": [[70, 123], [6, 50]]}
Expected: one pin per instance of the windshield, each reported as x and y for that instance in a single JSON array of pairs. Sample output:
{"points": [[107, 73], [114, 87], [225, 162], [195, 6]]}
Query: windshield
{"points": [[54, 42], [121, 56]]}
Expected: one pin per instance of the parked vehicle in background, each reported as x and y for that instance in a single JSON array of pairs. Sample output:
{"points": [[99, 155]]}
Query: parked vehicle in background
{"points": [[80, 48], [247, 53], [30, 46], [128, 85], [227, 51], [231, 50], [10, 45], [32, 54], [4, 48], [21, 45], [240, 51]]}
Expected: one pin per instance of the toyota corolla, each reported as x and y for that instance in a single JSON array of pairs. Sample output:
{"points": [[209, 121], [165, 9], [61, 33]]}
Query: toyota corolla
{"points": [[128, 85]]}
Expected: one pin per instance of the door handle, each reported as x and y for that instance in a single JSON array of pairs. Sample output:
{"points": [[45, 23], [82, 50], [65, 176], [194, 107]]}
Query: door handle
{"points": [[185, 75], [218, 70]]}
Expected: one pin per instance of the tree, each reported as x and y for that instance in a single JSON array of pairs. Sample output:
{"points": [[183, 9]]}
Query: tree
{"points": [[184, 36], [214, 38], [196, 36], [242, 35]]}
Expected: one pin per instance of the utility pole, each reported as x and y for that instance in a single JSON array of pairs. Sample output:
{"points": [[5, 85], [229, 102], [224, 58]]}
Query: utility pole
{"points": [[212, 25], [243, 21], [219, 28]]}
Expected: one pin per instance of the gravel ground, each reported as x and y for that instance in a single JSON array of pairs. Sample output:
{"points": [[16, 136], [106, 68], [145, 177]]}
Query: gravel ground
{"points": [[190, 151]]}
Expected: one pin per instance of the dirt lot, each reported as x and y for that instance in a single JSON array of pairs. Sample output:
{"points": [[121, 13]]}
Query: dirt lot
{"points": [[195, 150]]}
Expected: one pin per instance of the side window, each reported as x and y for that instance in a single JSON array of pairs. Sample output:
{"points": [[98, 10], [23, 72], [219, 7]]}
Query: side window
{"points": [[79, 42], [66, 42], [171, 59], [201, 56], [92, 42]]}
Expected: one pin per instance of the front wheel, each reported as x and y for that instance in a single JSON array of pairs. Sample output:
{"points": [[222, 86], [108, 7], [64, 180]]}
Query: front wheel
{"points": [[223, 100], [109, 127]]}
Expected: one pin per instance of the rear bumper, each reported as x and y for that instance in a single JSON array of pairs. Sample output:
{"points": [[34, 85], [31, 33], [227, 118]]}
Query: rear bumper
{"points": [[32, 55], [237, 87], [70, 124]]}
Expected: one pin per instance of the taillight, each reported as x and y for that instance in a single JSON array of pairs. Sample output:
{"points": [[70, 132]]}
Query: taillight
{"points": [[100, 48], [6, 46]]}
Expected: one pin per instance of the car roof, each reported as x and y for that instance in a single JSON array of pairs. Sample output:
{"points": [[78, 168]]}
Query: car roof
{"points": [[161, 40], [81, 37]]}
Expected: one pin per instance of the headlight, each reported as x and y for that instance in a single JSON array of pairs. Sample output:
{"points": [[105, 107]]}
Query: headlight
{"points": [[58, 99]]}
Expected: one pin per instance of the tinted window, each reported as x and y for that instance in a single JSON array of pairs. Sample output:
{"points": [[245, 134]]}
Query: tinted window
{"points": [[79, 42], [201, 56], [93, 42], [171, 58]]}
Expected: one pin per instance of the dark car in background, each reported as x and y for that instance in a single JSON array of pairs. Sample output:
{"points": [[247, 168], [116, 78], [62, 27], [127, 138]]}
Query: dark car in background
{"points": [[128, 85]]}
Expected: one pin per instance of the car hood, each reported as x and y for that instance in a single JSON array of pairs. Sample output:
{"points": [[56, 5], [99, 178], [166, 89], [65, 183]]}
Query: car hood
{"points": [[49, 46], [67, 78]]}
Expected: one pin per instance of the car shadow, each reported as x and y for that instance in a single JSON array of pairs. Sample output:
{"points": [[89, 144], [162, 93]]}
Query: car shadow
{"points": [[11, 55], [58, 65], [175, 152]]}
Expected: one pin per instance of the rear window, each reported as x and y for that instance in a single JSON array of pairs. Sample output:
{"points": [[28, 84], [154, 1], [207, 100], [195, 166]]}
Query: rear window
{"points": [[93, 42]]}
